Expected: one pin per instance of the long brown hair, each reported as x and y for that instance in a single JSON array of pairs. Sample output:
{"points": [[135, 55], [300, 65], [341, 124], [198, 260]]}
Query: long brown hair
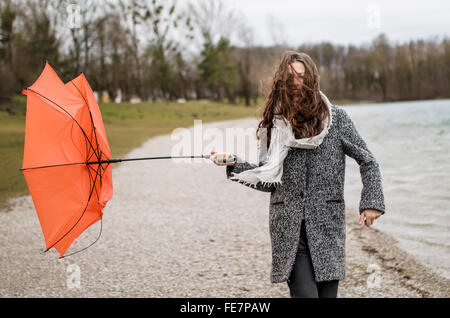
{"points": [[305, 115]]}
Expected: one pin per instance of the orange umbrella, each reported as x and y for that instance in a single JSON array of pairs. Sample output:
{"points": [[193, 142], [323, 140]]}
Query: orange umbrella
{"points": [[64, 130], [67, 158]]}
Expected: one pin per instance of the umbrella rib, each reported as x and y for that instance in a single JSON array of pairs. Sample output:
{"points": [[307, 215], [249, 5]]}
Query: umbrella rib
{"points": [[100, 170], [82, 130], [91, 179], [57, 165], [84, 248], [100, 179]]}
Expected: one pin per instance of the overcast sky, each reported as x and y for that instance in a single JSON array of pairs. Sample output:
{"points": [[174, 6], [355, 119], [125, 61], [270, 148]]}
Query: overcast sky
{"points": [[344, 21]]}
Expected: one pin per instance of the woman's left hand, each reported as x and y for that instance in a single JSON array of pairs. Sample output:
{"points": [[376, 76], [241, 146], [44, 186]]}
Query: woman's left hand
{"points": [[368, 216]]}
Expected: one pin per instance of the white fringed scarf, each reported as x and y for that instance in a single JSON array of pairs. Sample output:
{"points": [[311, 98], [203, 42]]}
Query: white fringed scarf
{"points": [[282, 138]]}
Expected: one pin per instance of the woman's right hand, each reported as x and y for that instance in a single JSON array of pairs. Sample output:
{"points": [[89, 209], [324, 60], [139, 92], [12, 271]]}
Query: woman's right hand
{"points": [[219, 158]]}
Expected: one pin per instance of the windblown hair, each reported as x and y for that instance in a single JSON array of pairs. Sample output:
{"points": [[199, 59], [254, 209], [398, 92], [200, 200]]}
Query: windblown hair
{"points": [[305, 115]]}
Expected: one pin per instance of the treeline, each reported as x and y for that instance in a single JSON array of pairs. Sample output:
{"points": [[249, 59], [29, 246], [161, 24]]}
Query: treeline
{"points": [[167, 50], [383, 71]]}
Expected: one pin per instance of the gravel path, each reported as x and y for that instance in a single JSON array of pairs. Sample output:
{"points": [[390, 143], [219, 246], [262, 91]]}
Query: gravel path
{"points": [[184, 230]]}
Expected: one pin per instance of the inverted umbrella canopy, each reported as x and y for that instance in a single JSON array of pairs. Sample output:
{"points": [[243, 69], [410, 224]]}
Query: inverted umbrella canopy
{"points": [[66, 155], [66, 160]]}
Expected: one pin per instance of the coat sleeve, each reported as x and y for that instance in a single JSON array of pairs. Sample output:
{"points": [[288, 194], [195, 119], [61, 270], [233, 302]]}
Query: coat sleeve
{"points": [[354, 146], [242, 165]]}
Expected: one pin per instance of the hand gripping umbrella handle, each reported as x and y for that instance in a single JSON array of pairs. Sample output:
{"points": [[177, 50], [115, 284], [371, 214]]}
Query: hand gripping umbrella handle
{"points": [[229, 159]]}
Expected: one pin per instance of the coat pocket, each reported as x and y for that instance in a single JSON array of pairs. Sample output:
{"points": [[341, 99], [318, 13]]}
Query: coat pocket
{"points": [[334, 201], [276, 216], [277, 202], [335, 209], [276, 197]]}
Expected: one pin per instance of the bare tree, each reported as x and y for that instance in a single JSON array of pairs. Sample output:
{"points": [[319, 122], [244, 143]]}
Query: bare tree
{"points": [[277, 30], [212, 19], [244, 62]]}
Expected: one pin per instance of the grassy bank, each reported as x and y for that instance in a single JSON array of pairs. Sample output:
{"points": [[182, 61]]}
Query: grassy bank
{"points": [[127, 126]]}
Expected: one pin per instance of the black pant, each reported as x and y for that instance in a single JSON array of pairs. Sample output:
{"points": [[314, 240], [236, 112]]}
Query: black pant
{"points": [[301, 282]]}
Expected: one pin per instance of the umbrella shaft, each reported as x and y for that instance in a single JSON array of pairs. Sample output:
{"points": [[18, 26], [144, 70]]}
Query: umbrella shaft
{"points": [[113, 160]]}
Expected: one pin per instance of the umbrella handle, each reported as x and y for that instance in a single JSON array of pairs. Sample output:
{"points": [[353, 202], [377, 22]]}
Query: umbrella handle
{"points": [[229, 159]]}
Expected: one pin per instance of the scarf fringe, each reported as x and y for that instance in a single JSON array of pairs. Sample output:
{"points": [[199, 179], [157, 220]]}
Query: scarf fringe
{"points": [[263, 183]]}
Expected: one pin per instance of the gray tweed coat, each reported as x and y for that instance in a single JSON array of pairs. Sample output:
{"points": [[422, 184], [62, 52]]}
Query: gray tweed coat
{"points": [[313, 182]]}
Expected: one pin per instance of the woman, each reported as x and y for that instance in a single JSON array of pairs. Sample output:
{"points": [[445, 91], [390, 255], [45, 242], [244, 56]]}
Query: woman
{"points": [[302, 143]]}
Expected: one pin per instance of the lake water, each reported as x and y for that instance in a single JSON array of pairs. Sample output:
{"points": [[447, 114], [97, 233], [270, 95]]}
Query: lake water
{"points": [[411, 142]]}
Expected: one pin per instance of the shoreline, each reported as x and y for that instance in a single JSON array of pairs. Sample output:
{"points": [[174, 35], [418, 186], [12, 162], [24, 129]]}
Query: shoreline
{"points": [[391, 261], [344, 102]]}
